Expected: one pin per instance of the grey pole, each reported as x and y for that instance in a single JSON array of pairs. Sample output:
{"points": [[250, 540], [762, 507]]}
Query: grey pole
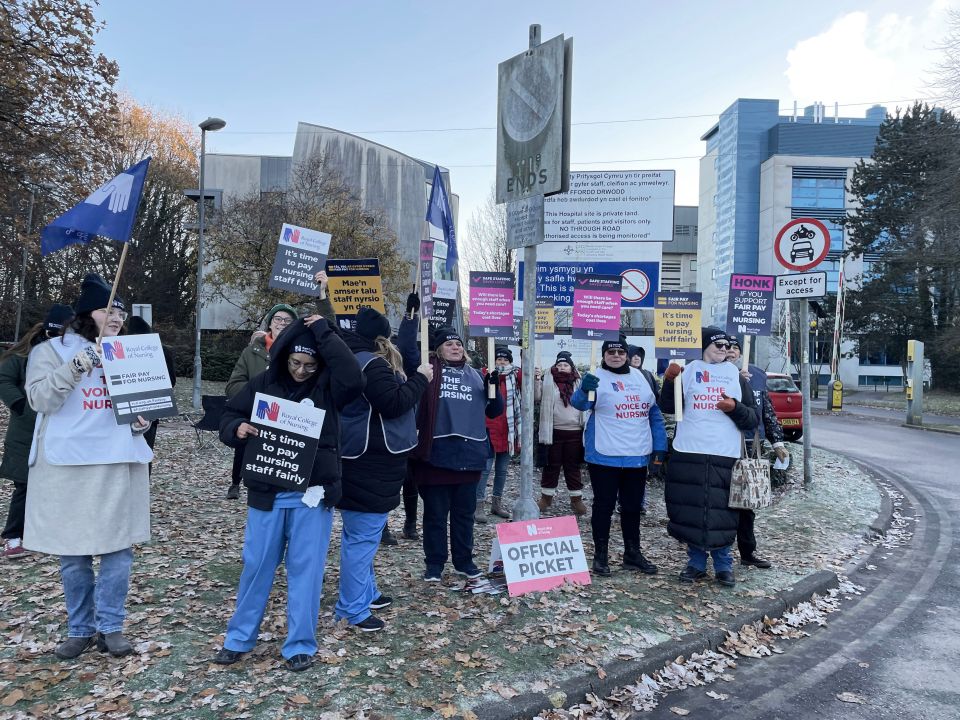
{"points": [[211, 124], [23, 268], [805, 386], [525, 508]]}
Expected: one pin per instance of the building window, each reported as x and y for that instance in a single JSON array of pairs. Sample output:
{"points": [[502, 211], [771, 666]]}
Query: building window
{"points": [[681, 229], [880, 381], [693, 265]]}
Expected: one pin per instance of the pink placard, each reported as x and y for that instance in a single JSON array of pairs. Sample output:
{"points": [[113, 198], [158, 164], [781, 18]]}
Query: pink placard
{"points": [[491, 304], [596, 307], [539, 555]]}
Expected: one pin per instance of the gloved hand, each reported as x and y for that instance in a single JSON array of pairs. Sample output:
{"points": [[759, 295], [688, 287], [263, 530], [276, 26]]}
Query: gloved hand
{"points": [[493, 378], [672, 371], [413, 304], [781, 451], [85, 361], [590, 382], [727, 404]]}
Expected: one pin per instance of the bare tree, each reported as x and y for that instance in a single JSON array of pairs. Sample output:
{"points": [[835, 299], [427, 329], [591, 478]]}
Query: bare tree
{"points": [[947, 73], [485, 247]]}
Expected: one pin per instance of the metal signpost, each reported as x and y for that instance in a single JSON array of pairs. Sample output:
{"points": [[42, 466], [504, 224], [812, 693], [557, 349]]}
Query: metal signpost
{"points": [[914, 382], [533, 158], [801, 245]]}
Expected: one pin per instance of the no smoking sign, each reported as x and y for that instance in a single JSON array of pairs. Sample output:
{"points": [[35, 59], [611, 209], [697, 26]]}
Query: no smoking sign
{"points": [[802, 244], [635, 286]]}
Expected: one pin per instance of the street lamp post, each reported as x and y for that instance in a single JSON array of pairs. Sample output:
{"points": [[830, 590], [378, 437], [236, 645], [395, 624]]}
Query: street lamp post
{"points": [[23, 267], [210, 124]]}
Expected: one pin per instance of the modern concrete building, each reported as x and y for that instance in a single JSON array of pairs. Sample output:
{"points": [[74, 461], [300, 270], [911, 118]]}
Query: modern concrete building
{"points": [[384, 179], [761, 170], [678, 269]]}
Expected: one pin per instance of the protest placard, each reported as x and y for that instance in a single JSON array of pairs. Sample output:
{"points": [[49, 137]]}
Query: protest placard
{"points": [[491, 304], [545, 323], [513, 337], [596, 307], [283, 453], [137, 379], [750, 304], [301, 254], [676, 325], [444, 304], [543, 554], [426, 278], [352, 285]]}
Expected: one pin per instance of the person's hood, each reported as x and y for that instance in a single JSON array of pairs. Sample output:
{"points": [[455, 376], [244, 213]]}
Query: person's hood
{"points": [[357, 343], [282, 347]]}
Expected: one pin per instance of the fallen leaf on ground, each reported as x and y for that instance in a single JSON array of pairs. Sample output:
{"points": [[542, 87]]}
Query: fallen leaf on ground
{"points": [[849, 697], [679, 710]]}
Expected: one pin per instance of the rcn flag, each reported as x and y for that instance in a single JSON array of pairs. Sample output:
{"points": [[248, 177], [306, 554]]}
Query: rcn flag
{"points": [[441, 218], [109, 211]]}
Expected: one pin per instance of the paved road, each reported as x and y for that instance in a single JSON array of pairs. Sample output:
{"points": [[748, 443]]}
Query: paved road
{"points": [[897, 416], [898, 645]]}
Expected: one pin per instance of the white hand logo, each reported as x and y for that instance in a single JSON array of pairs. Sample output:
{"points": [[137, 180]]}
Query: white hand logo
{"points": [[118, 190]]}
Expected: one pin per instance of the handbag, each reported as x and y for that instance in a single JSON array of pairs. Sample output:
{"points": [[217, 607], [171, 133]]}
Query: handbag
{"points": [[750, 479]]}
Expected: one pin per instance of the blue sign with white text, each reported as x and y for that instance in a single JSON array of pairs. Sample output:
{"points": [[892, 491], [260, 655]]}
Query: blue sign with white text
{"points": [[640, 281]]}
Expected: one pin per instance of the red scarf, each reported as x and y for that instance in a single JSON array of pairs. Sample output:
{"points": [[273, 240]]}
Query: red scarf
{"points": [[565, 382]]}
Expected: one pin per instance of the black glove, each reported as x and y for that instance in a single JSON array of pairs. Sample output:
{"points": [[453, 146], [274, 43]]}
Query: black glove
{"points": [[413, 303], [590, 382], [493, 378]]}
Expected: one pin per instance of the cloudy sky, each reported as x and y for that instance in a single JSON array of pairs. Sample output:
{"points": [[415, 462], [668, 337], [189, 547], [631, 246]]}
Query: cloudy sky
{"points": [[649, 78]]}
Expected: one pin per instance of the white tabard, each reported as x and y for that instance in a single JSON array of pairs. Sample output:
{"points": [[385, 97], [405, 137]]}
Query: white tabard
{"points": [[705, 429], [622, 414], [84, 430]]}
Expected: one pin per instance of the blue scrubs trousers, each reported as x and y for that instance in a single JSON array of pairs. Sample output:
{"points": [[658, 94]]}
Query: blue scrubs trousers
{"points": [[303, 535], [358, 547]]}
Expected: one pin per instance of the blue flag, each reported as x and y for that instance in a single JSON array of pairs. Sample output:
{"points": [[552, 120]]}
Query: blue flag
{"points": [[440, 216], [109, 211]]}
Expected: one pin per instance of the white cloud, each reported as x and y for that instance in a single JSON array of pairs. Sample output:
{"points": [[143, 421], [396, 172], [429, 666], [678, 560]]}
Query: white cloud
{"points": [[863, 58]]}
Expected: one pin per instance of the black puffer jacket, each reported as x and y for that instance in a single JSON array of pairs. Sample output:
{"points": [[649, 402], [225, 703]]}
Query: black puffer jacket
{"points": [[373, 481], [697, 488], [337, 382]]}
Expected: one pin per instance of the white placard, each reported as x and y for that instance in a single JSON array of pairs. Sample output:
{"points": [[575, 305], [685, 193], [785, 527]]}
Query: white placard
{"points": [[445, 289], [584, 251], [300, 418], [605, 206], [137, 378], [801, 285]]}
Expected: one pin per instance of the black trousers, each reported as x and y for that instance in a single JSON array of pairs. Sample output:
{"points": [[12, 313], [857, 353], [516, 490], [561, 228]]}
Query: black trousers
{"points": [[410, 496], [237, 466], [18, 505], [746, 539], [609, 485]]}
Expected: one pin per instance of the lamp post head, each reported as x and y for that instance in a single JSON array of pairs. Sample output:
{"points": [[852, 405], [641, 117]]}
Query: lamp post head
{"points": [[212, 124]]}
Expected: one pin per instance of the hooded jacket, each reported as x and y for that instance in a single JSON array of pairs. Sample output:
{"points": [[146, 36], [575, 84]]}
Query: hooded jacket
{"points": [[337, 382]]}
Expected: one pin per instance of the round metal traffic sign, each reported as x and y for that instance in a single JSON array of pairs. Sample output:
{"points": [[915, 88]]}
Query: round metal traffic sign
{"points": [[635, 285], [802, 244]]}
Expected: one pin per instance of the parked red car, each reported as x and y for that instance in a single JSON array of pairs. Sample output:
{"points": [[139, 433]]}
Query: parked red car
{"points": [[787, 404]]}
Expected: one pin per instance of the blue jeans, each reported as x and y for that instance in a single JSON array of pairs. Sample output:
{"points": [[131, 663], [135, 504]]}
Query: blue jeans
{"points": [[358, 547], [498, 464], [300, 537], [722, 558], [96, 605], [458, 503]]}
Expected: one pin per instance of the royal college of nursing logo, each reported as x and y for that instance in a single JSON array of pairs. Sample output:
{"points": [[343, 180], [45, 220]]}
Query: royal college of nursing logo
{"points": [[291, 235], [618, 386], [703, 376], [113, 351], [270, 411]]}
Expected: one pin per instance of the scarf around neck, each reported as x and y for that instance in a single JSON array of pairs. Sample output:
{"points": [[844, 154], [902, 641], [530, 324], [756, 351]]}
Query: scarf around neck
{"points": [[565, 382]]}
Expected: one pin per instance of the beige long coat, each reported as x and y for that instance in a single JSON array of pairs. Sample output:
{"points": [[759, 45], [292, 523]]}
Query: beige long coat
{"points": [[77, 509]]}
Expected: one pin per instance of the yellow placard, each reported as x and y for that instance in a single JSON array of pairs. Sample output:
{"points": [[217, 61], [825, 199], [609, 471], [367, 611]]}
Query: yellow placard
{"points": [[546, 319], [676, 325], [354, 283]]}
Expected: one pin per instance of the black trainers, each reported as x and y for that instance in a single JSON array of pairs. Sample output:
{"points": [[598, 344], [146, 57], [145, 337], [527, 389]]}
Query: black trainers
{"points": [[433, 575], [299, 663], [233, 493], [227, 657], [72, 647], [386, 537], [370, 624], [755, 562], [726, 578], [690, 574], [471, 571], [381, 602]]}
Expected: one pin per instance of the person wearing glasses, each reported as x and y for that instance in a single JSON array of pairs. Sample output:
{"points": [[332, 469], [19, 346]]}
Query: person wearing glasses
{"points": [[310, 364], [717, 407], [623, 436], [256, 356], [88, 489], [19, 436]]}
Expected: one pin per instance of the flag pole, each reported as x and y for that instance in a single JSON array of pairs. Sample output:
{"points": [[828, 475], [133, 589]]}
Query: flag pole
{"points": [[113, 290]]}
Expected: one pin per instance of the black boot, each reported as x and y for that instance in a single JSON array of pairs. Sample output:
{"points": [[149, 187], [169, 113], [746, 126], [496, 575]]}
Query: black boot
{"points": [[386, 537], [601, 560], [633, 559], [410, 529]]}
